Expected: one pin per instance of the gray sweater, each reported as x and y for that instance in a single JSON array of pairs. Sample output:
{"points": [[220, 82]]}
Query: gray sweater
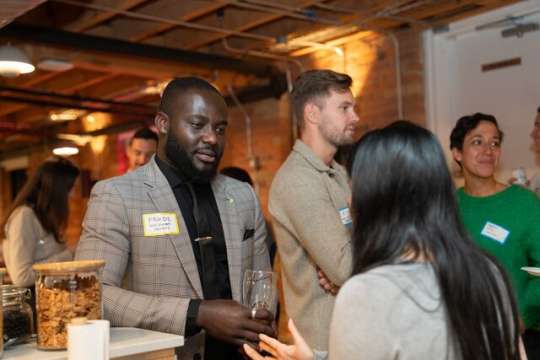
{"points": [[27, 243], [391, 312]]}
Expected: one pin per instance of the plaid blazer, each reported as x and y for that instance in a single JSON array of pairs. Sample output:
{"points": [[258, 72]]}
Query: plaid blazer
{"points": [[148, 281]]}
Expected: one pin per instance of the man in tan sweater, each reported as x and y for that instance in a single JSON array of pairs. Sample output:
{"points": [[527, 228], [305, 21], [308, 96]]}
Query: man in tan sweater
{"points": [[309, 201]]}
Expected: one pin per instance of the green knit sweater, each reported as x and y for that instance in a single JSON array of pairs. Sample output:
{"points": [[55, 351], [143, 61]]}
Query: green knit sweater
{"points": [[507, 225]]}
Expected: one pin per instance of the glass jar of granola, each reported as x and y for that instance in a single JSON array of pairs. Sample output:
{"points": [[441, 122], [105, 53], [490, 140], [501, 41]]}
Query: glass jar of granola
{"points": [[65, 290]]}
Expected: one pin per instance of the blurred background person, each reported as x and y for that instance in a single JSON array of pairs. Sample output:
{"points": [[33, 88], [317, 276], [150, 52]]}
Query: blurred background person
{"points": [[420, 289], [141, 147], [535, 135], [503, 220], [35, 222], [242, 175], [519, 176]]}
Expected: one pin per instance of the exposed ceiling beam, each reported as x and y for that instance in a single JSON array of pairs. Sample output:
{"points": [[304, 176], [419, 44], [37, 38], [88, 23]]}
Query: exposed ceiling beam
{"points": [[34, 80], [245, 26], [64, 82], [75, 98], [94, 18], [90, 82], [149, 30], [121, 64], [50, 36], [12, 9], [70, 105]]}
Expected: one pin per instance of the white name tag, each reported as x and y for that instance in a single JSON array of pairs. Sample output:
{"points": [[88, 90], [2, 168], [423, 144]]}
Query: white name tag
{"points": [[345, 216], [156, 224], [495, 232]]}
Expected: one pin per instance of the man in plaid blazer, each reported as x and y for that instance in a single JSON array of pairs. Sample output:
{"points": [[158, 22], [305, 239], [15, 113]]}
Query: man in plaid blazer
{"points": [[176, 237]]}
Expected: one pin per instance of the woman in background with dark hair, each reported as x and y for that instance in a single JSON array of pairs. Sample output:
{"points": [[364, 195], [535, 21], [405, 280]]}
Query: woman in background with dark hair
{"points": [[34, 224], [420, 288], [503, 220]]}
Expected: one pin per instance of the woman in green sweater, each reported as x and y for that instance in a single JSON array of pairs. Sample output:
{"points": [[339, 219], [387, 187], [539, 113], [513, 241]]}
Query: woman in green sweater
{"points": [[503, 220]]}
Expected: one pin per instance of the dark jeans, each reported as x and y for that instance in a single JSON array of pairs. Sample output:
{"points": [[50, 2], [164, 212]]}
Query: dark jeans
{"points": [[531, 340]]}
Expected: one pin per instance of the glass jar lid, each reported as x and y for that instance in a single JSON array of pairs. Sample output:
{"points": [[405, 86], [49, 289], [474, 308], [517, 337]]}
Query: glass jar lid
{"points": [[69, 266]]}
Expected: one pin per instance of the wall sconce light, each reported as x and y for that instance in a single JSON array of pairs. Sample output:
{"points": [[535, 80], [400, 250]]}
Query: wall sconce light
{"points": [[14, 62]]}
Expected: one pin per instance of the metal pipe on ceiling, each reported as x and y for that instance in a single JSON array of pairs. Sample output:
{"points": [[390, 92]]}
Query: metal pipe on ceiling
{"points": [[276, 87], [159, 19], [275, 10], [192, 25], [40, 35], [78, 98], [262, 54], [68, 105]]}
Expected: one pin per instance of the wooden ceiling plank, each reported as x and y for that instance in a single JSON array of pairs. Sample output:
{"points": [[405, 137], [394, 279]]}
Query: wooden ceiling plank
{"points": [[34, 80], [360, 16], [93, 18], [435, 9], [72, 83], [135, 29], [135, 66], [90, 82], [478, 11], [192, 15], [264, 19], [70, 79], [34, 114]]}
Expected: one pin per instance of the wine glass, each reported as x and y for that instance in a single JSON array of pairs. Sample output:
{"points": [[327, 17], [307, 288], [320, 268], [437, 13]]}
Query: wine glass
{"points": [[259, 291]]}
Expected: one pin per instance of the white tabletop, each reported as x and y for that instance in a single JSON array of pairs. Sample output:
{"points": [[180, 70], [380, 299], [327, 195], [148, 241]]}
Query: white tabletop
{"points": [[124, 342]]}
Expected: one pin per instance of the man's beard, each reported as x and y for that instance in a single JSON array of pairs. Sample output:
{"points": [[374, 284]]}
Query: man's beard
{"points": [[179, 157], [334, 137]]}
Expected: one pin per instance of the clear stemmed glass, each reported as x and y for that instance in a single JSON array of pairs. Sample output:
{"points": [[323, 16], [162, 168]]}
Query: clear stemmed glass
{"points": [[259, 291]]}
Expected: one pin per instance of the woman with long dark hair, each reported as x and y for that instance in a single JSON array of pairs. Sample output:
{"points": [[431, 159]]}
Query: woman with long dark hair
{"points": [[420, 288], [36, 220], [503, 220]]}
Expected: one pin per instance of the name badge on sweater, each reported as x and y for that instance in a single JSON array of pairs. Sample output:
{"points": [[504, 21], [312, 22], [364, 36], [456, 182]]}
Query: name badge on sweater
{"points": [[495, 232], [157, 224], [345, 216]]}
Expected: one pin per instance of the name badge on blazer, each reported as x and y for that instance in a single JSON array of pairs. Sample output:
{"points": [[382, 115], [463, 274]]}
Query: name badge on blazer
{"points": [[164, 223], [248, 233]]}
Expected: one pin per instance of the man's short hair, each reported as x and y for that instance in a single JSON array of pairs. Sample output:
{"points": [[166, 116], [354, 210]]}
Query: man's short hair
{"points": [[144, 133], [538, 110], [182, 85], [314, 84]]}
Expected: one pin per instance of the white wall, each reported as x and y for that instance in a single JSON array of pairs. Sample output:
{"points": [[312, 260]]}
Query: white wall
{"points": [[456, 85]]}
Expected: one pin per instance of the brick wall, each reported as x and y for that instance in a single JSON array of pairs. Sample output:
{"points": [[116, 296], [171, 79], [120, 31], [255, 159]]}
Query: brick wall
{"points": [[370, 61], [271, 141]]}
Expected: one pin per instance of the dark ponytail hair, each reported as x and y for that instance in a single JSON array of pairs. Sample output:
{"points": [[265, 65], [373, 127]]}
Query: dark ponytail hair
{"points": [[47, 192], [404, 203]]}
